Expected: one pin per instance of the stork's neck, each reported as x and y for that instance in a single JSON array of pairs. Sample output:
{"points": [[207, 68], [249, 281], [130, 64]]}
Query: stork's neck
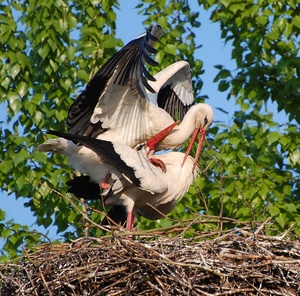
{"points": [[180, 134]]}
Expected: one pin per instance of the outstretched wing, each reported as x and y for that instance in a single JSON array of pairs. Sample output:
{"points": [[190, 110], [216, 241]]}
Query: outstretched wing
{"points": [[175, 91], [125, 68]]}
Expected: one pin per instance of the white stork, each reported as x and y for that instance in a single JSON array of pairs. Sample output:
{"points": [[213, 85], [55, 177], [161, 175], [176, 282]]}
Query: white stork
{"points": [[119, 104], [144, 186]]}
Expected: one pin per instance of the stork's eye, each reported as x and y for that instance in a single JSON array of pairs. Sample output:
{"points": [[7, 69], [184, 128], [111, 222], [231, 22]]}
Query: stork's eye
{"points": [[205, 121], [140, 146]]}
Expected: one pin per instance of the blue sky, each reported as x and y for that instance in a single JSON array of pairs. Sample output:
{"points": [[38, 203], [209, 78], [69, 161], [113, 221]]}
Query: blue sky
{"points": [[212, 52]]}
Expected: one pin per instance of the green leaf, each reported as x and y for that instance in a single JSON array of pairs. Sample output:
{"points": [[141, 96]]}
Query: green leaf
{"points": [[281, 219], [2, 215], [15, 70], [296, 21], [90, 11], [19, 157], [224, 74], [262, 20], [223, 85], [163, 22], [294, 157], [273, 137], [291, 208], [285, 141], [14, 102], [44, 51], [5, 233], [6, 82], [22, 88], [235, 141], [226, 3], [171, 49], [274, 211]]}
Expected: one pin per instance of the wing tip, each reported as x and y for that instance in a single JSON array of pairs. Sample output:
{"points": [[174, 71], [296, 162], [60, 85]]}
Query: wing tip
{"points": [[155, 32]]}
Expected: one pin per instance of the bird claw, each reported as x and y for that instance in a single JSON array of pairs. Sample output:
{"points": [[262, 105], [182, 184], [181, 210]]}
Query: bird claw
{"points": [[106, 184], [158, 163]]}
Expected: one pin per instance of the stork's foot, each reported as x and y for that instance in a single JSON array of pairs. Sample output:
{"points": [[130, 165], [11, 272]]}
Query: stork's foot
{"points": [[105, 186], [159, 163]]}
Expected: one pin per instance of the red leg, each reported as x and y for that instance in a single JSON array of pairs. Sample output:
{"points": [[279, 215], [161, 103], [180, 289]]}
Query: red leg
{"points": [[130, 221]]}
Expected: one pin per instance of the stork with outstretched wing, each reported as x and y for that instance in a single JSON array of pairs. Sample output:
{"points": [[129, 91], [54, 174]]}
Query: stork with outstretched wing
{"points": [[124, 103]]}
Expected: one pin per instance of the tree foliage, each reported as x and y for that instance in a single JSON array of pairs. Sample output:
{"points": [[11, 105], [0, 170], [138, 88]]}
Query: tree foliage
{"points": [[50, 50]]}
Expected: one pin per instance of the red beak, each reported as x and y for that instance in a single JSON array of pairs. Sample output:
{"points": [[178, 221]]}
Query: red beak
{"points": [[153, 141], [202, 133]]}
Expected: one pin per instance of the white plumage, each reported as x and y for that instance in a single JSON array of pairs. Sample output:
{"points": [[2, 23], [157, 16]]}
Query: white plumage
{"points": [[124, 103], [142, 187], [123, 106]]}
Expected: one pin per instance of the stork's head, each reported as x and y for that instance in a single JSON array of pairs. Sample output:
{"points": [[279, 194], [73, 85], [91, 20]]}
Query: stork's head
{"points": [[204, 117]]}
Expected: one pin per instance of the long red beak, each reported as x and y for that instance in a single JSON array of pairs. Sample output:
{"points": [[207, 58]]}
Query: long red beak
{"points": [[153, 141], [202, 133]]}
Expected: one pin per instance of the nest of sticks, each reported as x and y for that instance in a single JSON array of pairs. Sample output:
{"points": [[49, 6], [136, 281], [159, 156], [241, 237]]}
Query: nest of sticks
{"points": [[239, 262]]}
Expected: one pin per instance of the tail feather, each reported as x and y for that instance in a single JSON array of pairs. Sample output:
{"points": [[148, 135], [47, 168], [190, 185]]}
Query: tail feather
{"points": [[57, 145]]}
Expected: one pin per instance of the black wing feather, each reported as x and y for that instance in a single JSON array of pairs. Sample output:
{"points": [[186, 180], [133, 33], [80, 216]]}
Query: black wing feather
{"points": [[127, 65], [169, 101], [105, 150], [84, 187], [117, 214]]}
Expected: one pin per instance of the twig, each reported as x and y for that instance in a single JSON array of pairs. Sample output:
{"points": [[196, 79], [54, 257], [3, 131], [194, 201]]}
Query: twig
{"points": [[45, 283]]}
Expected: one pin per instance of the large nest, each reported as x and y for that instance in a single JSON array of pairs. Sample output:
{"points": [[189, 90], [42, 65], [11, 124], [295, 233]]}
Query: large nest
{"points": [[240, 262]]}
